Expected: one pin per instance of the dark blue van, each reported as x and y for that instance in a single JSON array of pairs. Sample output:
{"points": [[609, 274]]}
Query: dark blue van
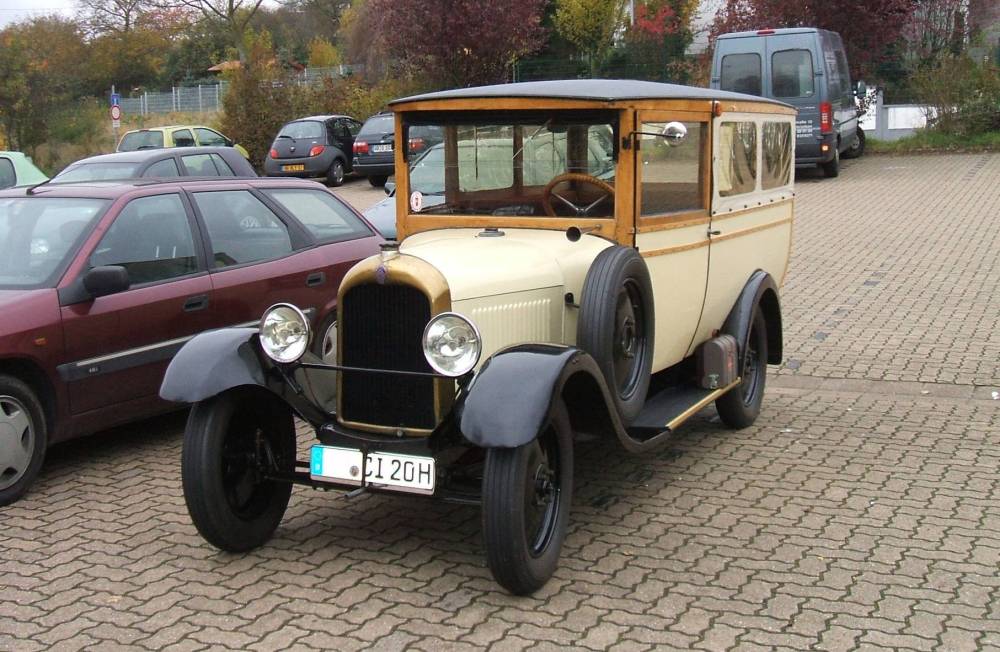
{"points": [[807, 68]]}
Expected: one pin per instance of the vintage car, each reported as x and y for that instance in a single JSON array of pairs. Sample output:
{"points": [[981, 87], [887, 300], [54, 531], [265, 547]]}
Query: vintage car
{"points": [[592, 258]]}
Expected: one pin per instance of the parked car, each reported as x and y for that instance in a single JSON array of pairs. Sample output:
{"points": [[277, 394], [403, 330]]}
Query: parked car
{"points": [[16, 169], [159, 163], [374, 147], [315, 147], [804, 67], [176, 136], [604, 257], [102, 283]]}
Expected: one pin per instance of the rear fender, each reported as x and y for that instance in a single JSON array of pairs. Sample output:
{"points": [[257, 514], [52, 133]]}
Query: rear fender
{"points": [[763, 291], [512, 398]]}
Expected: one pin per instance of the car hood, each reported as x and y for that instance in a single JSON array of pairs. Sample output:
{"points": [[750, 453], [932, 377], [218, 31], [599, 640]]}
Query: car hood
{"points": [[26, 310], [478, 265]]}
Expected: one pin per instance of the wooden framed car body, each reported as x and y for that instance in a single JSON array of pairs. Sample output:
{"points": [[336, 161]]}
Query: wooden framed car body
{"points": [[590, 256]]}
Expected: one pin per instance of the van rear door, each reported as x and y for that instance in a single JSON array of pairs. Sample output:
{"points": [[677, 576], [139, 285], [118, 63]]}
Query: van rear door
{"points": [[796, 77]]}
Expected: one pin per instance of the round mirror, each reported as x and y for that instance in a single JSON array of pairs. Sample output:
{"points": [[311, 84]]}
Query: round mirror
{"points": [[674, 132]]}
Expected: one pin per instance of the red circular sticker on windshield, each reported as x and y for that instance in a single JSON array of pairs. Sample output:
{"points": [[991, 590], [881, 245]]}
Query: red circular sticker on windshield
{"points": [[416, 201]]}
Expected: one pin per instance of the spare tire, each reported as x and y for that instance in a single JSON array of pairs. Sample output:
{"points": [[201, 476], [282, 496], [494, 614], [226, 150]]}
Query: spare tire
{"points": [[616, 325]]}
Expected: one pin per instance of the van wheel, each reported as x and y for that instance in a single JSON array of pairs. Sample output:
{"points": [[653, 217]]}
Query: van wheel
{"points": [[858, 148], [616, 325], [23, 438], [740, 406], [527, 492], [231, 441], [832, 168], [335, 175]]}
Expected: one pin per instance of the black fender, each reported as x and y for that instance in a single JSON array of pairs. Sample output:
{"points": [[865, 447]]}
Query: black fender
{"points": [[763, 291], [216, 361], [512, 397]]}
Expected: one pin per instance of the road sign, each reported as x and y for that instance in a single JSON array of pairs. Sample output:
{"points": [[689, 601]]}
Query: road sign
{"points": [[116, 112], [116, 99]]}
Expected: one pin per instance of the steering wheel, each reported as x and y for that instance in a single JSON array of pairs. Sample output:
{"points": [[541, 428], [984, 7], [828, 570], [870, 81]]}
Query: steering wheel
{"points": [[578, 210]]}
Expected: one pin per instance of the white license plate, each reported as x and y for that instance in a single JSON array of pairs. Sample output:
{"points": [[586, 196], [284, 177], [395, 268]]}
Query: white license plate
{"points": [[381, 149], [382, 470]]}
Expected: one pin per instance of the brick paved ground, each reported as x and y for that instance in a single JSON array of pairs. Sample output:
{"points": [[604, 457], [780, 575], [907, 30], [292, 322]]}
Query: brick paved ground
{"points": [[856, 514]]}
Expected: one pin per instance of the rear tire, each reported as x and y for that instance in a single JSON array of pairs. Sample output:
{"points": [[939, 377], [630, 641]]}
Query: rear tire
{"points": [[228, 441], [527, 493], [335, 175], [378, 180], [831, 169], [23, 438], [740, 406]]}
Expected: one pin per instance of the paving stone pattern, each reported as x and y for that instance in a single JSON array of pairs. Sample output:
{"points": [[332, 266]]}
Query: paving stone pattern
{"points": [[858, 513]]}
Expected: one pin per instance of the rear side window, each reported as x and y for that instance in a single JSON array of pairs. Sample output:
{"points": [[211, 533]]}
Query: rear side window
{"points": [[776, 150], [7, 176], [165, 168], [792, 73], [183, 138], [151, 238], [325, 217], [738, 158], [242, 229], [379, 124], [135, 140], [741, 73]]}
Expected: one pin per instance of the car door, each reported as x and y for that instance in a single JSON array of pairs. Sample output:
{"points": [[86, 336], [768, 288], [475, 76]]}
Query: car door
{"points": [[119, 345], [210, 138], [256, 258], [672, 193], [343, 137]]}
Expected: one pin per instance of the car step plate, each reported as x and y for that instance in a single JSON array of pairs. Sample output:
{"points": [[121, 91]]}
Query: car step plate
{"points": [[389, 471]]}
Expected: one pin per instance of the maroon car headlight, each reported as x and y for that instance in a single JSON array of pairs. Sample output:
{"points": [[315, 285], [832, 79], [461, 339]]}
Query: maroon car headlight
{"points": [[284, 333]]}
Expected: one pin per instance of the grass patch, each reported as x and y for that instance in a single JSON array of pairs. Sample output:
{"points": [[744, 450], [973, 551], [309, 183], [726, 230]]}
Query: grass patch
{"points": [[934, 141]]}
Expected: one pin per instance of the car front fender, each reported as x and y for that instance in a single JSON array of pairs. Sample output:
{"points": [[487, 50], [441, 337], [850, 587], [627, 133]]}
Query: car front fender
{"points": [[211, 363]]}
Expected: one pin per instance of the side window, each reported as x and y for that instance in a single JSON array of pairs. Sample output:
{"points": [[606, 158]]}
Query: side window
{"points": [[151, 238], [222, 166], [7, 176], [737, 172], [741, 73], [200, 165], [183, 138], [324, 215], [242, 229], [776, 151], [210, 138], [165, 168], [672, 174], [792, 73]]}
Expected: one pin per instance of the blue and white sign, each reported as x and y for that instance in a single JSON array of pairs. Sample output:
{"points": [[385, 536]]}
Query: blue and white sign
{"points": [[116, 99]]}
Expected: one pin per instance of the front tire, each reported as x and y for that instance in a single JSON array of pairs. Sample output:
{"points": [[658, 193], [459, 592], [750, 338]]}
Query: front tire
{"points": [[527, 492], [229, 442], [23, 438], [740, 406]]}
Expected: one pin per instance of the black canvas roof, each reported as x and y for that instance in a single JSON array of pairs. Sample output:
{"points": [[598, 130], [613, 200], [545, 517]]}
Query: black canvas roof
{"points": [[589, 89]]}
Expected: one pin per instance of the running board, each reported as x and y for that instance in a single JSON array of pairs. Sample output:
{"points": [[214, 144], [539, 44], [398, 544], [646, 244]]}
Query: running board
{"points": [[666, 411]]}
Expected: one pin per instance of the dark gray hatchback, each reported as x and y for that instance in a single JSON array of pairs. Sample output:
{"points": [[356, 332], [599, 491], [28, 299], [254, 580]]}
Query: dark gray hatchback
{"points": [[314, 147]]}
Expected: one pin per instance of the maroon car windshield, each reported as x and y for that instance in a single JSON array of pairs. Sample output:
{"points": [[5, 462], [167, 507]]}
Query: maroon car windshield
{"points": [[38, 234]]}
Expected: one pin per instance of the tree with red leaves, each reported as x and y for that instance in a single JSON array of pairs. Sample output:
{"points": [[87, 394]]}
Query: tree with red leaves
{"points": [[869, 28], [459, 42]]}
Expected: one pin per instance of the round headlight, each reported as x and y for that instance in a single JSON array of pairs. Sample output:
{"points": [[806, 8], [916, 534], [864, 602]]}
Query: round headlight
{"points": [[451, 344], [284, 333]]}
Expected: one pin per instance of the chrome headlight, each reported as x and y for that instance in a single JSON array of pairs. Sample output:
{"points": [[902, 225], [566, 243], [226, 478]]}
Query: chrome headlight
{"points": [[284, 333], [451, 344]]}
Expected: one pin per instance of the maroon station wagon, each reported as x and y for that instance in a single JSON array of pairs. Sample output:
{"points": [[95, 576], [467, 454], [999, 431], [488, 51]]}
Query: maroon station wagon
{"points": [[102, 283]]}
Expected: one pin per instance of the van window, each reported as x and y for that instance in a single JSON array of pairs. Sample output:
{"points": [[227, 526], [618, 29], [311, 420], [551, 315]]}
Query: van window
{"points": [[792, 73], [776, 150], [738, 158], [671, 175], [741, 73]]}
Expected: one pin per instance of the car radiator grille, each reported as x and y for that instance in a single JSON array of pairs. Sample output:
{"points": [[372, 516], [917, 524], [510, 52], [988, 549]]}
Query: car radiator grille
{"points": [[382, 328]]}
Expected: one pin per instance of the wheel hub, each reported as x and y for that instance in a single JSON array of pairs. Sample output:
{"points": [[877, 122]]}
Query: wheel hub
{"points": [[16, 441]]}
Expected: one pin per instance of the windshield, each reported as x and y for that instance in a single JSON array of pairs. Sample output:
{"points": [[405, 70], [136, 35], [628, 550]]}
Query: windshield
{"points": [[97, 172], [38, 235], [305, 129], [517, 164], [141, 140]]}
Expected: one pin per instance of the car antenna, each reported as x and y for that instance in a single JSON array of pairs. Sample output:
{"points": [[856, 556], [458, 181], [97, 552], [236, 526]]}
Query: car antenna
{"points": [[31, 189]]}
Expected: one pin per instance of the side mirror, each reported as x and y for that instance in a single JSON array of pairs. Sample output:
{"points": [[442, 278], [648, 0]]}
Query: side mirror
{"points": [[390, 188], [106, 279], [674, 133], [861, 90]]}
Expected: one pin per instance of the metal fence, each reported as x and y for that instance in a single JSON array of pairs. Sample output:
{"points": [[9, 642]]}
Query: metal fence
{"points": [[208, 97]]}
